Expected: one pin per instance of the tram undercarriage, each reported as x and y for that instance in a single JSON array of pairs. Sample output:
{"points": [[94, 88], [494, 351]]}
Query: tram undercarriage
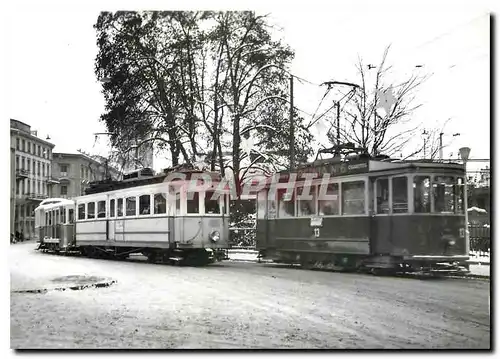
{"points": [[188, 257], [377, 265]]}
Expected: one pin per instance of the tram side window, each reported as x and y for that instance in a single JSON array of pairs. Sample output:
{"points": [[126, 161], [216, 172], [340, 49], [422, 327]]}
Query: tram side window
{"points": [[145, 204], [193, 202], [286, 203], [101, 209], [399, 195], [119, 207], [306, 201], [91, 210], [328, 199], [112, 208], [81, 211], [130, 203], [160, 203], [63, 215], [444, 196], [353, 197], [382, 195], [421, 194], [71, 216], [212, 203], [459, 190]]}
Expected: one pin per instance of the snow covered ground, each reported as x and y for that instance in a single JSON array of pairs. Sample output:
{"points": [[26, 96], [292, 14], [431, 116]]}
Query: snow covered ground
{"points": [[239, 305], [480, 266]]}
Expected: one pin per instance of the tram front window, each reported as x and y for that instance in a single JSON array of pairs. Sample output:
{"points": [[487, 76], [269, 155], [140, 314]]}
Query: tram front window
{"points": [[460, 195], [212, 203], [399, 195], [382, 195], [421, 194], [193, 202], [444, 194]]}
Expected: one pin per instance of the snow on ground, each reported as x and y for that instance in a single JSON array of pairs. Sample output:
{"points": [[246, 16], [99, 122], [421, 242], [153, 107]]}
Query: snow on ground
{"points": [[240, 305]]}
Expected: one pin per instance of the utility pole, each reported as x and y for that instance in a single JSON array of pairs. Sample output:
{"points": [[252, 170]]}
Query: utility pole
{"points": [[441, 146], [292, 127], [425, 140]]}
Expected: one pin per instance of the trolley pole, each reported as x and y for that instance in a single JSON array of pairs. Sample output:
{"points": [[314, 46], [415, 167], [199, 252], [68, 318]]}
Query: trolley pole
{"points": [[441, 146], [292, 127]]}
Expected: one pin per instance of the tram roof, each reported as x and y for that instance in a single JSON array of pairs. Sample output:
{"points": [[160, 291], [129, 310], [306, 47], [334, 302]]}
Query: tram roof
{"points": [[340, 167]]}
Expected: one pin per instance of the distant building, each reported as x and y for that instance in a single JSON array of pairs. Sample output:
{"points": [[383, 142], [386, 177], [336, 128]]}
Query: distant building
{"points": [[74, 172], [31, 179], [137, 158]]}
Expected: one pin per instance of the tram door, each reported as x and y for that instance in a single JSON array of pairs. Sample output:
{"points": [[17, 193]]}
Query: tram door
{"points": [[119, 227], [110, 220]]}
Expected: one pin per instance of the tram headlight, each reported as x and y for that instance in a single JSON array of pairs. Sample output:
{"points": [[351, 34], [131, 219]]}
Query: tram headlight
{"points": [[214, 236]]}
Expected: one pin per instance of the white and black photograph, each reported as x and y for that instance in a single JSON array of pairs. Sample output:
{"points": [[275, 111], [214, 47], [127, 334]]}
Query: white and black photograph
{"points": [[265, 176]]}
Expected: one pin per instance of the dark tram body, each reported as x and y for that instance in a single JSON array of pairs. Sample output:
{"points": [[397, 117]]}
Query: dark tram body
{"points": [[377, 215]]}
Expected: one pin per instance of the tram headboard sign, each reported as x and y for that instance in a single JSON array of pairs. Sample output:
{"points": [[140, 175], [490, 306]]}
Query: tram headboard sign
{"points": [[336, 168]]}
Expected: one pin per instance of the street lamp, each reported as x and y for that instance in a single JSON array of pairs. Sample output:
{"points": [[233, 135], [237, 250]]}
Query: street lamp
{"points": [[464, 154]]}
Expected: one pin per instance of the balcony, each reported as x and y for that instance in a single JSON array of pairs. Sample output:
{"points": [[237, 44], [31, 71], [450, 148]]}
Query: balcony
{"points": [[52, 180], [20, 174], [36, 197]]}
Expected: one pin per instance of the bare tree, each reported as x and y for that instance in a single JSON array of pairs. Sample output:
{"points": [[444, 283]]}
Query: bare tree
{"points": [[378, 116]]}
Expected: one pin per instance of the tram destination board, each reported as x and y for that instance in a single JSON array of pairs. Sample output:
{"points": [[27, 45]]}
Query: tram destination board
{"points": [[333, 168]]}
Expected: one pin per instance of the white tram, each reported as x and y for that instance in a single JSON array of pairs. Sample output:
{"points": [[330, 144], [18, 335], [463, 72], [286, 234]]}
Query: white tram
{"points": [[165, 221]]}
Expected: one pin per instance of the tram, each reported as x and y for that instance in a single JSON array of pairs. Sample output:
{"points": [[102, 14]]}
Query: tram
{"points": [[167, 220], [361, 213]]}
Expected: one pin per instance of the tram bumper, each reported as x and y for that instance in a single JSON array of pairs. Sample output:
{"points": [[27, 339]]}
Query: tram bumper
{"points": [[435, 264]]}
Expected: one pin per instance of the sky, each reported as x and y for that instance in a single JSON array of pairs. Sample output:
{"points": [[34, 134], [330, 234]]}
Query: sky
{"points": [[51, 48]]}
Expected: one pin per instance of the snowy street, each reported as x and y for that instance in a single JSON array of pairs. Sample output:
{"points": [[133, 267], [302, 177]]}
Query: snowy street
{"points": [[239, 305]]}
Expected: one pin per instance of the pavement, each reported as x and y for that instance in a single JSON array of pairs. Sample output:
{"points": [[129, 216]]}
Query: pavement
{"points": [[238, 305]]}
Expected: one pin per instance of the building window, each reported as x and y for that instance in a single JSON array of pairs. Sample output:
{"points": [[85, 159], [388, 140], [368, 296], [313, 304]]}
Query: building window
{"points": [[130, 206], [22, 163], [160, 203], [353, 197], [38, 168], [18, 144], [144, 204], [24, 146], [399, 195], [17, 162], [64, 170], [39, 152], [101, 209], [64, 190], [29, 147]]}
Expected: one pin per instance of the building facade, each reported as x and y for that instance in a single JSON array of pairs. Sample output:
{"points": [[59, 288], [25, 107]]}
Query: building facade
{"points": [[74, 172], [32, 172]]}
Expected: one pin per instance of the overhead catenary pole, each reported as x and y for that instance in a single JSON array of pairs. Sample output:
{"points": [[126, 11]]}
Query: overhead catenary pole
{"points": [[441, 146], [292, 127]]}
